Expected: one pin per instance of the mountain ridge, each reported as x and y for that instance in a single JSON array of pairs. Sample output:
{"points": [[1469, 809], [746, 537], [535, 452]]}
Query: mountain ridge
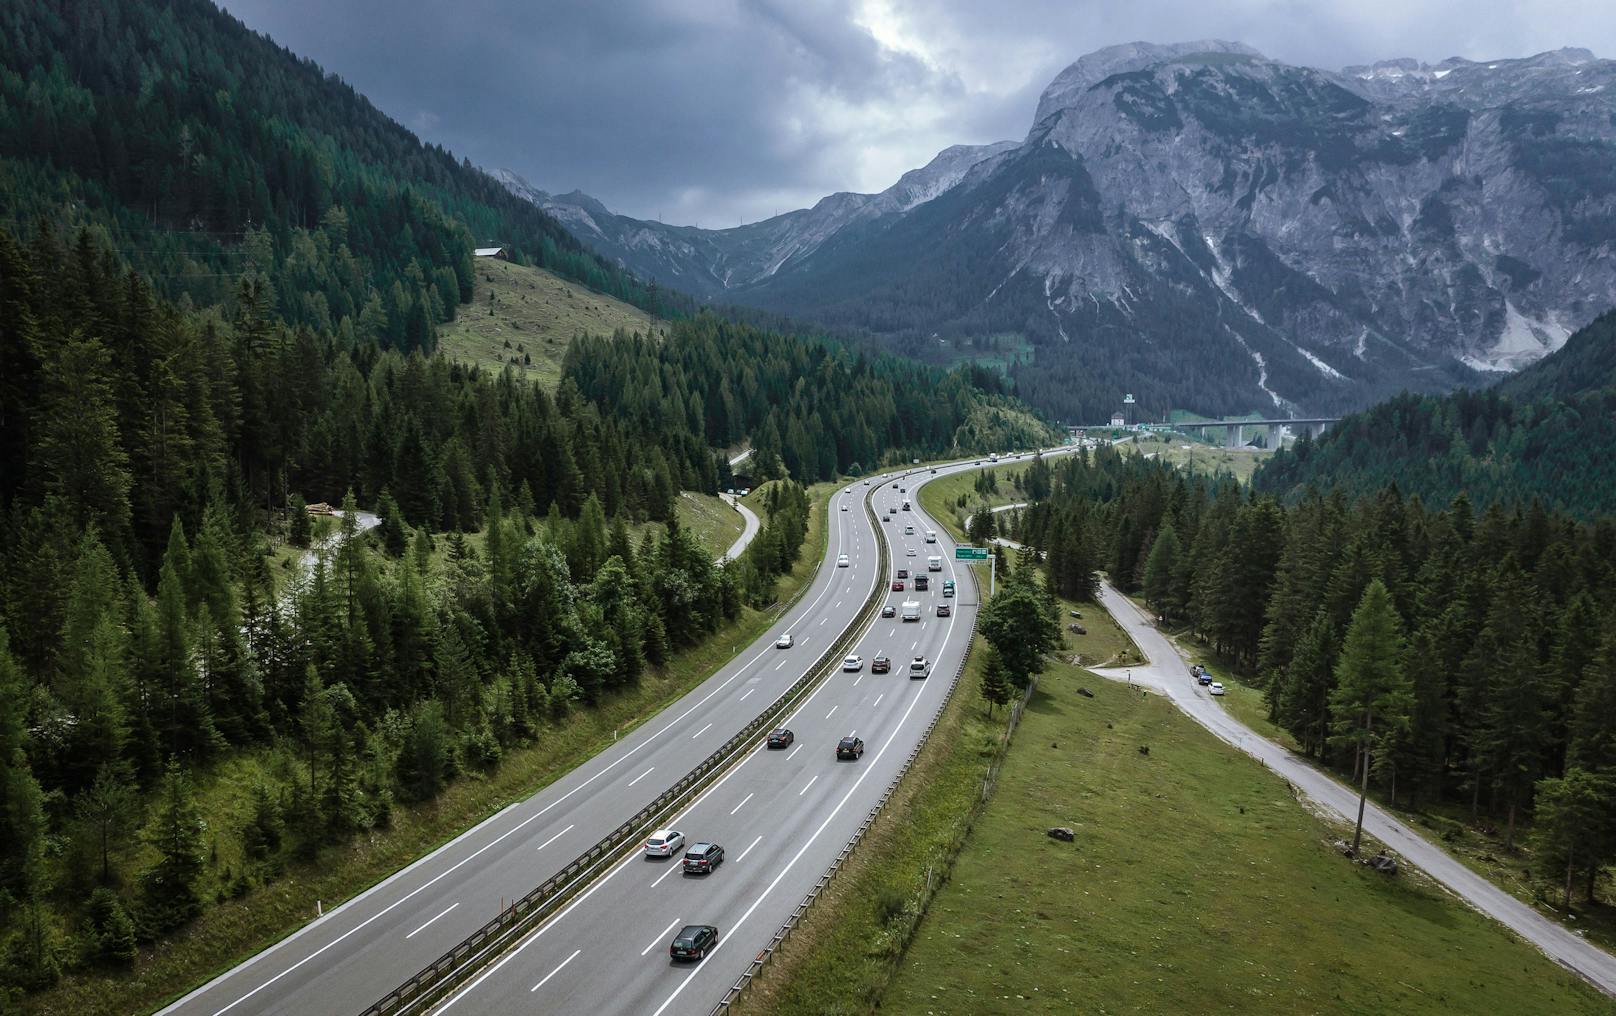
{"points": [[1211, 229]]}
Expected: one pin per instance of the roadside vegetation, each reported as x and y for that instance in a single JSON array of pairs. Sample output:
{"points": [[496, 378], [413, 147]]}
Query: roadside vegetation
{"points": [[1196, 883], [272, 888]]}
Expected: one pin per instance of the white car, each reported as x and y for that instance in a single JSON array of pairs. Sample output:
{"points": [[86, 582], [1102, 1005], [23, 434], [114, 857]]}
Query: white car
{"points": [[852, 664], [664, 843], [919, 667], [1216, 688], [785, 641], [844, 506], [841, 562], [909, 552]]}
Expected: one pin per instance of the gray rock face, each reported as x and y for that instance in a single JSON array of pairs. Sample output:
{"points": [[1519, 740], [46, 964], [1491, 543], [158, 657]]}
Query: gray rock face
{"points": [[1212, 230]]}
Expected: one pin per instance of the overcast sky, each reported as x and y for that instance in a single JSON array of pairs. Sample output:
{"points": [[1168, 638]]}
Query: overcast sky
{"points": [[712, 112]]}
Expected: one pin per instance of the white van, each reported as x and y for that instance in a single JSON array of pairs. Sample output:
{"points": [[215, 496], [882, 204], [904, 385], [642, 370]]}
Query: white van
{"points": [[934, 563], [911, 610], [931, 536]]}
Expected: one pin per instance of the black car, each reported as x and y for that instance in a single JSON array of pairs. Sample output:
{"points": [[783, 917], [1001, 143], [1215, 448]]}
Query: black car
{"points": [[781, 738], [849, 748], [693, 942], [889, 611], [944, 610], [702, 858], [881, 664], [903, 573]]}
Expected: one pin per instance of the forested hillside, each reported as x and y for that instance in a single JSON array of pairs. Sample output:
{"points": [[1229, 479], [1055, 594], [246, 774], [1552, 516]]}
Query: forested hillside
{"points": [[1500, 633], [202, 152], [1549, 434]]}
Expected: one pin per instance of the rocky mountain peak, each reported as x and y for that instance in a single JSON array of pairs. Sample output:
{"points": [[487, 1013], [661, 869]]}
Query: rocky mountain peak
{"points": [[1090, 70]]}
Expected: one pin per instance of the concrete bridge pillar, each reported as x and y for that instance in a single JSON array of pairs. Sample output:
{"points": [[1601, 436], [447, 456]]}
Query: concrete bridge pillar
{"points": [[1273, 436], [1235, 434], [1315, 429]]}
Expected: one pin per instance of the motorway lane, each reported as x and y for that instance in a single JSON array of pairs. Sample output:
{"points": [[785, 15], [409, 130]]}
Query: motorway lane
{"points": [[782, 817], [347, 959]]}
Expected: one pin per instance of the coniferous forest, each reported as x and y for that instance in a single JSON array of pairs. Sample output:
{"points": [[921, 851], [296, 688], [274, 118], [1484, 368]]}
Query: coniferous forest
{"points": [[1500, 624]]}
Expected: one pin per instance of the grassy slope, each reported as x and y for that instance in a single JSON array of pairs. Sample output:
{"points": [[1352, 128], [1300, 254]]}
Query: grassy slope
{"points": [[1198, 457], [1196, 884], [535, 310], [1479, 847], [227, 934]]}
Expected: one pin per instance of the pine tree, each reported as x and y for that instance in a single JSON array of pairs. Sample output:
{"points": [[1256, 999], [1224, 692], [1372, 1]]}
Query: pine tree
{"points": [[171, 889], [1573, 828], [996, 690], [108, 808], [1372, 698], [80, 450], [1161, 569]]}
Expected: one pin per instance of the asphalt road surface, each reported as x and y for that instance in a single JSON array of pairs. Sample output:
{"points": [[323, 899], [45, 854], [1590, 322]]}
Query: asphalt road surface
{"points": [[1168, 674], [341, 962], [345, 960], [750, 529]]}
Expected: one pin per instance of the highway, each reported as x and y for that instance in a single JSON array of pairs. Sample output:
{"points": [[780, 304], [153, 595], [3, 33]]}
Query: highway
{"points": [[345, 960], [782, 816]]}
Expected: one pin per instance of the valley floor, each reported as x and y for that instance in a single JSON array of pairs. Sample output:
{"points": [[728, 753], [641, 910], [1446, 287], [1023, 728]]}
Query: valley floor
{"points": [[1197, 883]]}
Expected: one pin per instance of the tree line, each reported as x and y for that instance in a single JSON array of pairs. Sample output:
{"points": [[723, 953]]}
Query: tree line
{"points": [[1439, 654]]}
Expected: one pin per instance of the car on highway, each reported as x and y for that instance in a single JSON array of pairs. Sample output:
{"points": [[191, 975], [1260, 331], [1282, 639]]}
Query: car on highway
{"points": [[664, 843], [1216, 688], [785, 641], [852, 664], [944, 610], [909, 552], [908, 530], [897, 585], [886, 518], [693, 942], [781, 738], [881, 664], [903, 573], [849, 748], [702, 858], [844, 506], [841, 561], [920, 667], [889, 611], [934, 470]]}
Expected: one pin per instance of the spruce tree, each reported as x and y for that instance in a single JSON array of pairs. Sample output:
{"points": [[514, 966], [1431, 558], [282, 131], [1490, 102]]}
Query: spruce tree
{"points": [[1372, 698], [171, 889]]}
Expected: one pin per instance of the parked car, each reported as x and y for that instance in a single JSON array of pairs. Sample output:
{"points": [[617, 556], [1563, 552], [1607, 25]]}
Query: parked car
{"points": [[693, 942], [785, 641], [881, 664], [852, 664], [889, 611], [702, 858], [781, 738], [664, 843], [849, 748], [1216, 688], [944, 610]]}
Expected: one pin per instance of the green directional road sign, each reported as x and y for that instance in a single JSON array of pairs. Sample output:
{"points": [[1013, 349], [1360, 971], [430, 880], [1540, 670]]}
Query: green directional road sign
{"points": [[970, 553]]}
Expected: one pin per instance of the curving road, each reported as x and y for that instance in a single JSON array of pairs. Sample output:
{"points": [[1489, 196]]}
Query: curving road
{"points": [[1168, 673], [781, 815], [750, 529], [343, 961], [798, 806]]}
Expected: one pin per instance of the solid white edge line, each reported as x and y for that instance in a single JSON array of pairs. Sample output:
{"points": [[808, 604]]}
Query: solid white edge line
{"points": [[439, 914], [804, 848]]}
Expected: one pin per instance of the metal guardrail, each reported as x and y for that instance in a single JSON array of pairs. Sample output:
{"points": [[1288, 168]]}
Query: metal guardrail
{"points": [[430, 985], [763, 958]]}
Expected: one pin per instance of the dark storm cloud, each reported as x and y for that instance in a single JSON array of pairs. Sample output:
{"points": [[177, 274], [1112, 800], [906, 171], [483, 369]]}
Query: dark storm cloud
{"points": [[712, 112]]}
